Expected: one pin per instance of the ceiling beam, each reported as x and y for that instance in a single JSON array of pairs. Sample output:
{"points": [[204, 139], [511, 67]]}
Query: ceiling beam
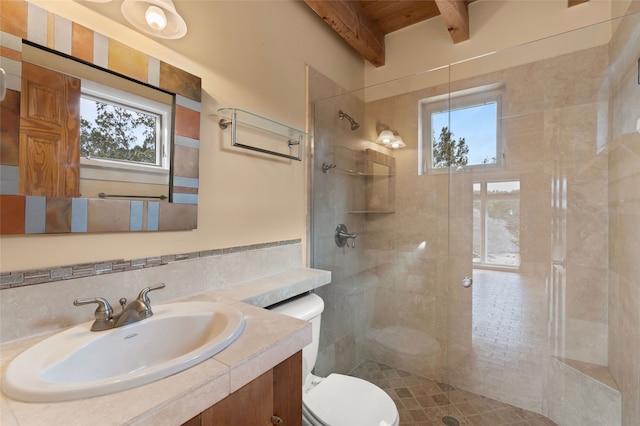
{"points": [[350, 21], [456, 17]]}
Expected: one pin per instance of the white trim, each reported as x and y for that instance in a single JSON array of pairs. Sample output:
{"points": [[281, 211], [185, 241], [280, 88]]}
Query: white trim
{"points": [[478, 90], [465, 98], [98, 169], [164, 130]]}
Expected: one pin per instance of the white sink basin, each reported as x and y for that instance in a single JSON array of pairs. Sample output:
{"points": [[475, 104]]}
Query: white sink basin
{"points": [[78, 363]]}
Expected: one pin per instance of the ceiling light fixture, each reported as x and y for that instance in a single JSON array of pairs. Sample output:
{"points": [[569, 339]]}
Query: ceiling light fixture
{"points": [[158, 18]]}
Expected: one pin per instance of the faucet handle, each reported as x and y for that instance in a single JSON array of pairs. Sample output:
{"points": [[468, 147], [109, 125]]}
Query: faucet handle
{"points": [[143, 293], [104, 312]]}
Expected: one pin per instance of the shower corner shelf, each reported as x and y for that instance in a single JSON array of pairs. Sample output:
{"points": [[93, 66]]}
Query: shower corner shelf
{"points": [[361, 163], [272, 134], [372, 211]]}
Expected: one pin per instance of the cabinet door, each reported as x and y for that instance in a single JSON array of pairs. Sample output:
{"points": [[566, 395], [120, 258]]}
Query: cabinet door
{"points": [[287, 390], [251, 405], [196, 421], [277, 392]]}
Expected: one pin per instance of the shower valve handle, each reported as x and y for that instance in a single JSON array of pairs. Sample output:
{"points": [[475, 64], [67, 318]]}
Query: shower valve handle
{"points": [[342, 237]]}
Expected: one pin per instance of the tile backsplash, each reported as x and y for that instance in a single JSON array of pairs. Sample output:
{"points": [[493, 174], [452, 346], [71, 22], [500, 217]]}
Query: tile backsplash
{"points": [[40, 301], [57, 273]]}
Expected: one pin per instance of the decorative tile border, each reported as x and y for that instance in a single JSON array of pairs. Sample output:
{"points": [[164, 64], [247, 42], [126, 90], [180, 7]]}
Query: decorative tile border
{"points": [[83, 270]]}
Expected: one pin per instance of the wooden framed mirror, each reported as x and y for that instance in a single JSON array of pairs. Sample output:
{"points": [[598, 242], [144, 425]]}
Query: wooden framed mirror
{"points": [[27, 151]]}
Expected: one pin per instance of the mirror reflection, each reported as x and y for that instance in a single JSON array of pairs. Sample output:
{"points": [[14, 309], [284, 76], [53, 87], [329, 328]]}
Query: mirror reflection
{"points": [[121, 149], [50, 183]]}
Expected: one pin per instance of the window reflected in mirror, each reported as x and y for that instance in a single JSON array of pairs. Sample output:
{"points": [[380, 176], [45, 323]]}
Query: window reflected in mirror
{"points": [[124, 143], [125, 130], [113, 129]]}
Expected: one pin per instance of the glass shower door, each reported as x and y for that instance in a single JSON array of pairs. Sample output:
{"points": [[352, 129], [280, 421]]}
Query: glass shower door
{"points": [[499, 236], [459, 292], [533, 226]]}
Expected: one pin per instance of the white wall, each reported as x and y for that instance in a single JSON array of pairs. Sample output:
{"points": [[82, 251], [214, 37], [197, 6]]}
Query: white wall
{"points": [[251, 55]]}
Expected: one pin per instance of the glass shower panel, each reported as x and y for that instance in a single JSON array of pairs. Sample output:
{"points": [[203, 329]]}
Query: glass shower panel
{"points": [[339, 188], [502, 219], [546, 230], [501, 216], [388, 295], [539, 222]]}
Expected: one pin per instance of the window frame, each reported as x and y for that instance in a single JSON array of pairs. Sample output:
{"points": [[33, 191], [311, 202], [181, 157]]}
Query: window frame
{"points": [[98, 92], [467, 98]]}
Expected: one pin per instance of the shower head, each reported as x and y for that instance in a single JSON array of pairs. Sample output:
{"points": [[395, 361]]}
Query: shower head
{"points": [[354, 124]]}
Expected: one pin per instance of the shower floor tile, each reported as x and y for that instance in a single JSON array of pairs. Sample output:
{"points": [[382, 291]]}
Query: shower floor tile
{"points": [[423, 402]]}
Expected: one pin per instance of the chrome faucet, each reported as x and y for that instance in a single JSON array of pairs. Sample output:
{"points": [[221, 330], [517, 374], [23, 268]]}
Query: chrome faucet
{"points": [[135, 311]]}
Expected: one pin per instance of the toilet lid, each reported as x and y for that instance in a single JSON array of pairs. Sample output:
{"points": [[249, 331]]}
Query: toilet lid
{"points": [[345, 400]]}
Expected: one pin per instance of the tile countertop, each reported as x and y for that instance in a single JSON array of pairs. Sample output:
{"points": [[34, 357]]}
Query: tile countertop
{"points": [[267, 340]]}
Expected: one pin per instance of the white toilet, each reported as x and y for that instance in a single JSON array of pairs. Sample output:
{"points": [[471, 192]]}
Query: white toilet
{"points": [[336, 400]]}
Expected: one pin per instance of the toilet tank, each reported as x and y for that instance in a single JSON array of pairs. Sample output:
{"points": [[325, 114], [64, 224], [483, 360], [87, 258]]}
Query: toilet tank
{"points": [[307, 307]]}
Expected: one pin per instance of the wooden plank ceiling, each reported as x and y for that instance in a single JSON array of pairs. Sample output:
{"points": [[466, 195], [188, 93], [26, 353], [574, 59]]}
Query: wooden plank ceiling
{"points": [[364, 23]]}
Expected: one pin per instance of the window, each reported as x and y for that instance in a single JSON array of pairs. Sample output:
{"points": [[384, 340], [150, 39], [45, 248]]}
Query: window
{"points": [[496, 224], [123, 130], [461, 129]]}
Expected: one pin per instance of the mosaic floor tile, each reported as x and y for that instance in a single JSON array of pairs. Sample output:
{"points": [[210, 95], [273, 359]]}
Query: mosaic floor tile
{"points": [[424, 402]]}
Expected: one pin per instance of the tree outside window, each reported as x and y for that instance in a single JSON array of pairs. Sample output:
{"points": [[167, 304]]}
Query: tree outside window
{"points": [[461, 129], [476, 128], [118, 133], [447, 151]]}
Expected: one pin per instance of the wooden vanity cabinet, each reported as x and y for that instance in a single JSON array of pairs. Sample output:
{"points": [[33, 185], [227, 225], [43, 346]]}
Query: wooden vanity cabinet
{"points": [[275, 395]]}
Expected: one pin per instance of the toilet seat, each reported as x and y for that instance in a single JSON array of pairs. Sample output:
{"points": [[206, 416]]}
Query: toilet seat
{"points": [[344, 400]]}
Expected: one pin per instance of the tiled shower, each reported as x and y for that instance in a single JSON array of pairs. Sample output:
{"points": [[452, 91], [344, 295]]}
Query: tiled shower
{"points": [[557, 333]]}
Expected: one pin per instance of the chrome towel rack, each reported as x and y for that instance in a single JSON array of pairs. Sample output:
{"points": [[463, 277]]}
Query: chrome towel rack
{"points": [[257, 133], [154, 197]]}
